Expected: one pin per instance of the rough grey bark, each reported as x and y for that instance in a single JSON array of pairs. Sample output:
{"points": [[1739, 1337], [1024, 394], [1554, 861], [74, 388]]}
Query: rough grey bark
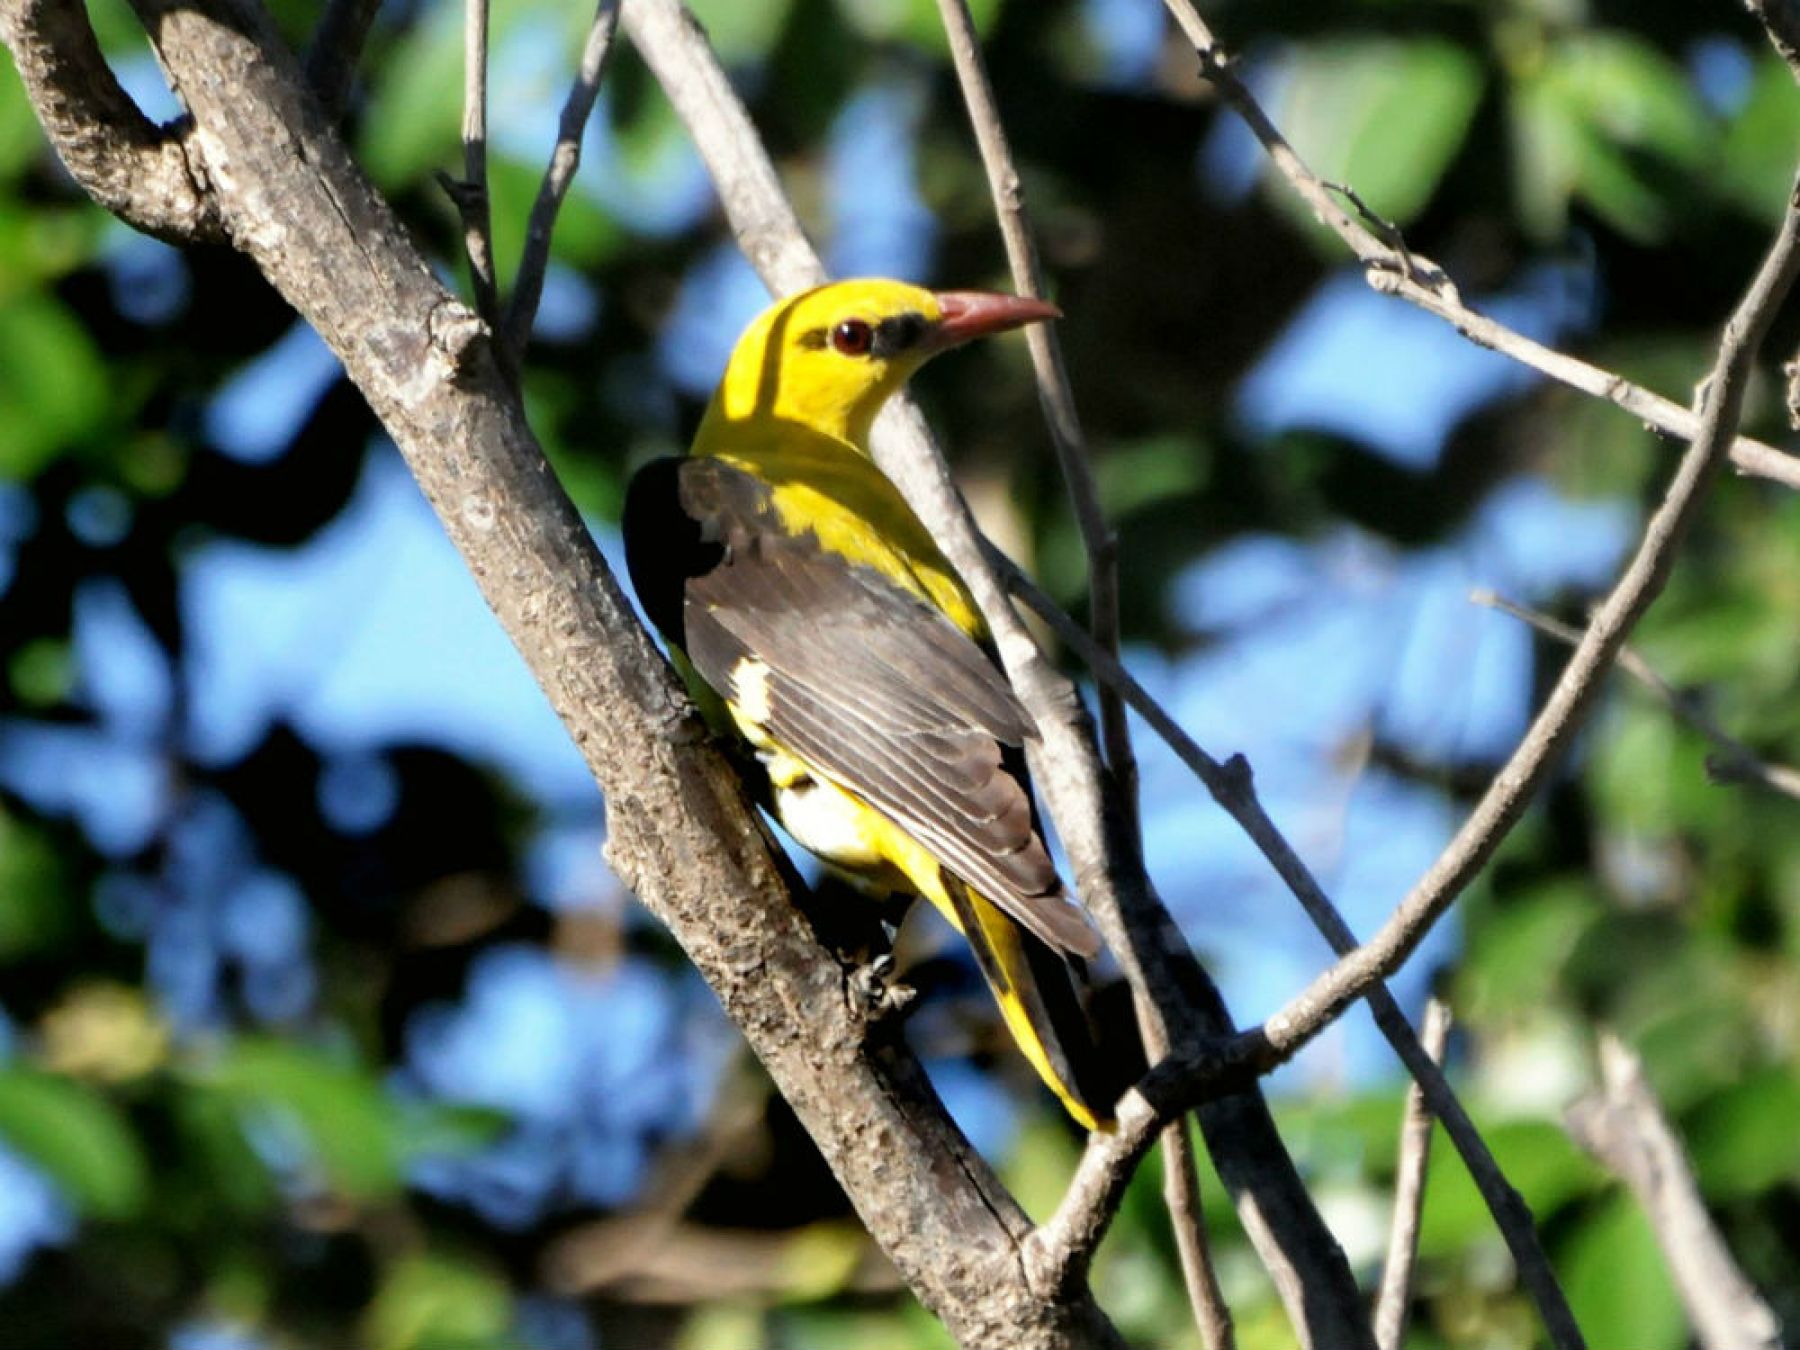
{"points": [[681, 833]]}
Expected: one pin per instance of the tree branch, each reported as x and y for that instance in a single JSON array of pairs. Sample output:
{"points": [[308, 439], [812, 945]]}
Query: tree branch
{"points": [[1308, 1266], [471, 193], [1735, 762], [565, 159], [151, 177], [1187, 1216], [1394, 1300], [1781, 20], [1395, 271], [679, 827], [1623, 1126], [1233, 787], [1576, 688]]}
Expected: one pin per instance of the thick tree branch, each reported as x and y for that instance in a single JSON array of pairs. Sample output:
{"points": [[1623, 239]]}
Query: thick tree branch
{"points": [[1735, 762], [1623, 1126], [1394, 1299], [1393, 270], [565, 159], [1306, 1263], [680, 829], [149, 176]]}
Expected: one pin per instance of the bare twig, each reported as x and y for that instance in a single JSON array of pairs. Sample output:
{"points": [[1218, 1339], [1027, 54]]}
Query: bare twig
{"points": [[1575, 690], [1306, 1263], [1781, 19], [1100, 544], [1181, 1193], [1233, 787], [565, 159], [1173, 1086], [1623, 1126], [336, 48], [151, 177], [1359, 972], [470, 193], [1422, 282], [1735, 762], [1395, 1297], [1056, 396]]}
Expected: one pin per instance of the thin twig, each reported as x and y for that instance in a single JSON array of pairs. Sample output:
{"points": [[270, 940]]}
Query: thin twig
{"points": [[565, 159], [337, 47], [1233, 787], [471, 193], [1622, 1125], [1055, 395], [1781, 19], [1423, 283], [1394, 1300], [1359, 972], [1575, 690], [1735, 762], [1187, 1216]]}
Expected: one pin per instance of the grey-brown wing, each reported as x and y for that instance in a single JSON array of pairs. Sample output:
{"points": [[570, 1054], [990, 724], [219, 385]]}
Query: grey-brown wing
{"points": [[874, 688]]}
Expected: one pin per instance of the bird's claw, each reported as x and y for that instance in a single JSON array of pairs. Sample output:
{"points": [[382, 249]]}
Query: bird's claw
{"points": [[876, 993]]}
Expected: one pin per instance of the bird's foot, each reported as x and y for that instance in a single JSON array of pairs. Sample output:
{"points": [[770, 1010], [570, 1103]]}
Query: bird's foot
{"points": [[874, 991]]}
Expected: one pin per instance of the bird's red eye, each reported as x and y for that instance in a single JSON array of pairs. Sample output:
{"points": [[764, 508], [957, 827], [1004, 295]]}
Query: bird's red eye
{"points": [[853, 337]]}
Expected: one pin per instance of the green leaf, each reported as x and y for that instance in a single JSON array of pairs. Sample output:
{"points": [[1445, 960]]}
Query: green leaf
{"points": [[78, 1137], [742, 32], [1743, 1141], [353, 1128], [415, 106], [1592, 114], [20, 139], [440, 1302], [1513, 960], [1756, 167], [53, 385], [36, 905], [1535, 1156], [1617, 1282], [916, 22], [41, 672], [1385, 116], [1142, 473]]}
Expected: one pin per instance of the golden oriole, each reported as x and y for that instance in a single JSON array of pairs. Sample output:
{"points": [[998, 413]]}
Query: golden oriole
{"points": [[799, 588]]}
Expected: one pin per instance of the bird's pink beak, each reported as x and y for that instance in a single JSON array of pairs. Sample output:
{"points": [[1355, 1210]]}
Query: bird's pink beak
{"points": [[972, 314]]}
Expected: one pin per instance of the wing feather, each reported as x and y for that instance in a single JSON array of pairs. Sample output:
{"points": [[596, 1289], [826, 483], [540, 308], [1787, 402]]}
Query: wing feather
{"points": [[873, 687]]}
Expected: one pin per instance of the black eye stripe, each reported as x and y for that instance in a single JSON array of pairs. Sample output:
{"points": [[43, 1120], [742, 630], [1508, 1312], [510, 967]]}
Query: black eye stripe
{"points": [[896, 334], [854, 337]]}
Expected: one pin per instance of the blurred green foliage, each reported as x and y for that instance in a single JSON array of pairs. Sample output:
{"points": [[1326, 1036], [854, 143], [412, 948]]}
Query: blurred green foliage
{"points": [[255, 1177]]}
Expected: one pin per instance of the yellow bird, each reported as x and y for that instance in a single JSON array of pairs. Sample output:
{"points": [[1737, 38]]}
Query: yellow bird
{"points": [[799, 589]]}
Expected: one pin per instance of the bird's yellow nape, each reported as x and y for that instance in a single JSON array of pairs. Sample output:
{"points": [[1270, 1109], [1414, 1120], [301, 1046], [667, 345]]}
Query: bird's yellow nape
{"points": [[828, 358]]}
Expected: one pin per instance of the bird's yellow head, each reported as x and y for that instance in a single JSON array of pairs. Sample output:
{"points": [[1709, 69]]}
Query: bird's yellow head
{"points": [[828, 358]]}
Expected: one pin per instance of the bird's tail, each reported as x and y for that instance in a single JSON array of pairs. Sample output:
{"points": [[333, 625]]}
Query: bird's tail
{"points": [[1040, 999]]}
